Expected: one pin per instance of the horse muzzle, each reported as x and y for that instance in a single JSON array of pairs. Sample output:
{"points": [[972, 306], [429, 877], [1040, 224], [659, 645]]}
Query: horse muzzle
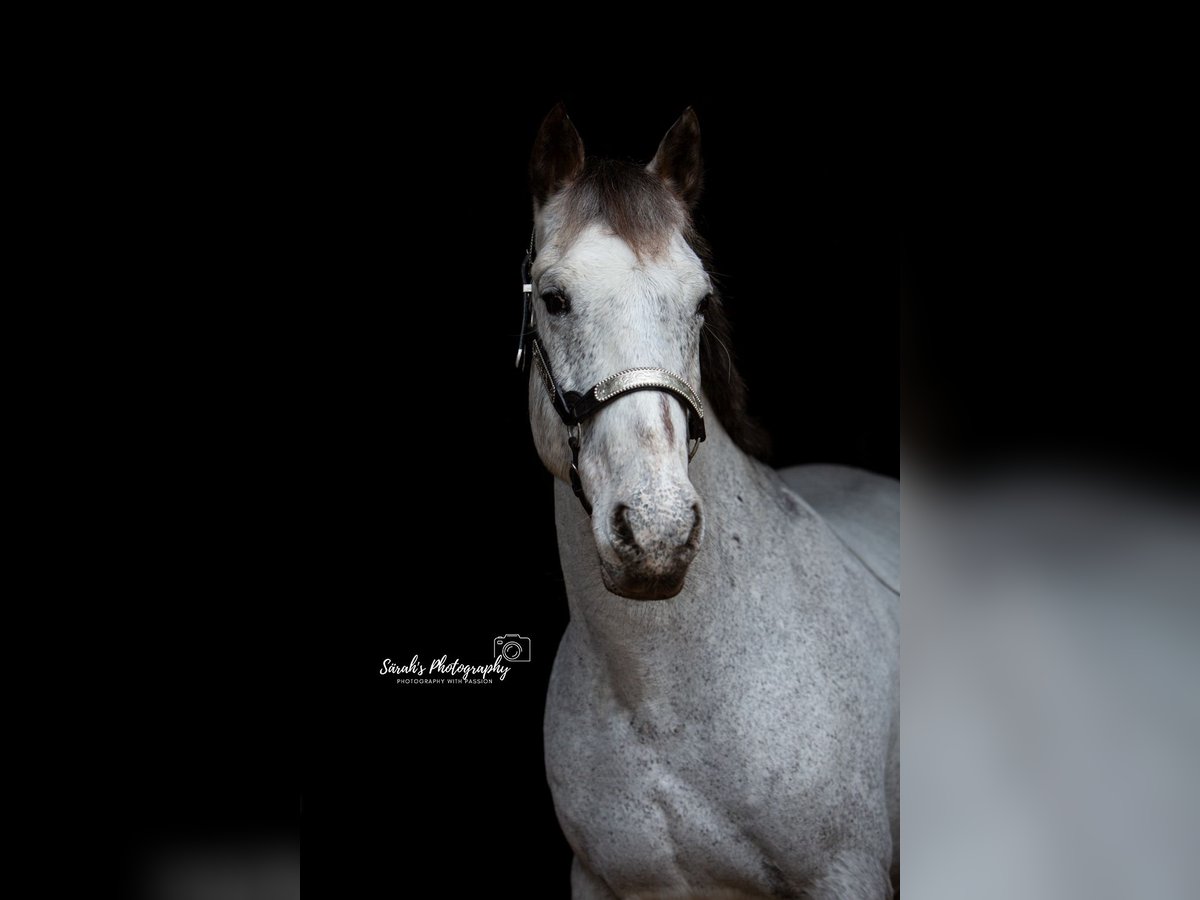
{"points": [[648, 542]]}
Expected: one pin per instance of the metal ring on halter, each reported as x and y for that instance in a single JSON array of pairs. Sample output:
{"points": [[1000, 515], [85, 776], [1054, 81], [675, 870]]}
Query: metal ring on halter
{"points": [[692, 449], [573, 435]]}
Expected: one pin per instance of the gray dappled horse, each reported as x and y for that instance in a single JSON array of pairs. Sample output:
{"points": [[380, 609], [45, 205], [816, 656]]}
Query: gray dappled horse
{"points": [[722, 719]]}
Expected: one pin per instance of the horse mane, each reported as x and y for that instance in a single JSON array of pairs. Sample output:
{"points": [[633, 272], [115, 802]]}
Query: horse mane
{"points": [[641, 209]]}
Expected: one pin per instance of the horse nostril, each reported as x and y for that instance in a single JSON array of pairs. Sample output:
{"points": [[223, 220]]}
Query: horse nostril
{"points": [[621, 526]]}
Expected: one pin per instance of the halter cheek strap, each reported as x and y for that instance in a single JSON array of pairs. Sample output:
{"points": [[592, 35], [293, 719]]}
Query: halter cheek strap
{"points": [[574, 407]]}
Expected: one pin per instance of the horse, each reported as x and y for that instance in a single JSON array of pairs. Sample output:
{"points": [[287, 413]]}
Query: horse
{"points": [[722, 714]]}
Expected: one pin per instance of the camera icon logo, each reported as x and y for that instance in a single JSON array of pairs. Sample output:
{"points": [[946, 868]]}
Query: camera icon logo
{"points": [[511, 648]]}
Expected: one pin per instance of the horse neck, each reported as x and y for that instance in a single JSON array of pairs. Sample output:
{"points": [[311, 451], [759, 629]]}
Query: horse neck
{"points": [[640, 643]]}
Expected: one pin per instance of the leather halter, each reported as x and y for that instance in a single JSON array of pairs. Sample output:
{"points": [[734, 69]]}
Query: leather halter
{"points": [[575, 408]]}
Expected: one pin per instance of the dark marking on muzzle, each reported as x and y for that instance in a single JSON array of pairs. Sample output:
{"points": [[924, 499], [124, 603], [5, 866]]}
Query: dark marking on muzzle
{"points": [[667, 423]]}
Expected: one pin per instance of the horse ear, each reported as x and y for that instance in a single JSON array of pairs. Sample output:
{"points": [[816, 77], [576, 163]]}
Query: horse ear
{"points": [[678, 158], [557, 158]]}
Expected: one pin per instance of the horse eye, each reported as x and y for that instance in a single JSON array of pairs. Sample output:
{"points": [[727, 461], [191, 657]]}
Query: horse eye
{"points": [[702, 306], [556, 302]]}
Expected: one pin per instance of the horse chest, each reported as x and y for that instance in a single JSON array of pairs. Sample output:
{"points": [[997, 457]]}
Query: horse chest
{"points": [[652, 797], [642, 810]]}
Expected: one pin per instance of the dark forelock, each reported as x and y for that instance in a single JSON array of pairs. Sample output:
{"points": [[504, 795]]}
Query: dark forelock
{"points": [[635, 204]]}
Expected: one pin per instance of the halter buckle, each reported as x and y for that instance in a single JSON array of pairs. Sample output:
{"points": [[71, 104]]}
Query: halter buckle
{"points": [[526, 305]]}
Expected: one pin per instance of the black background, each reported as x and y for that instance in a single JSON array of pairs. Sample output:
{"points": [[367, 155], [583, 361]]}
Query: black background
{"points": [[434, 438], [336, 465]]}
